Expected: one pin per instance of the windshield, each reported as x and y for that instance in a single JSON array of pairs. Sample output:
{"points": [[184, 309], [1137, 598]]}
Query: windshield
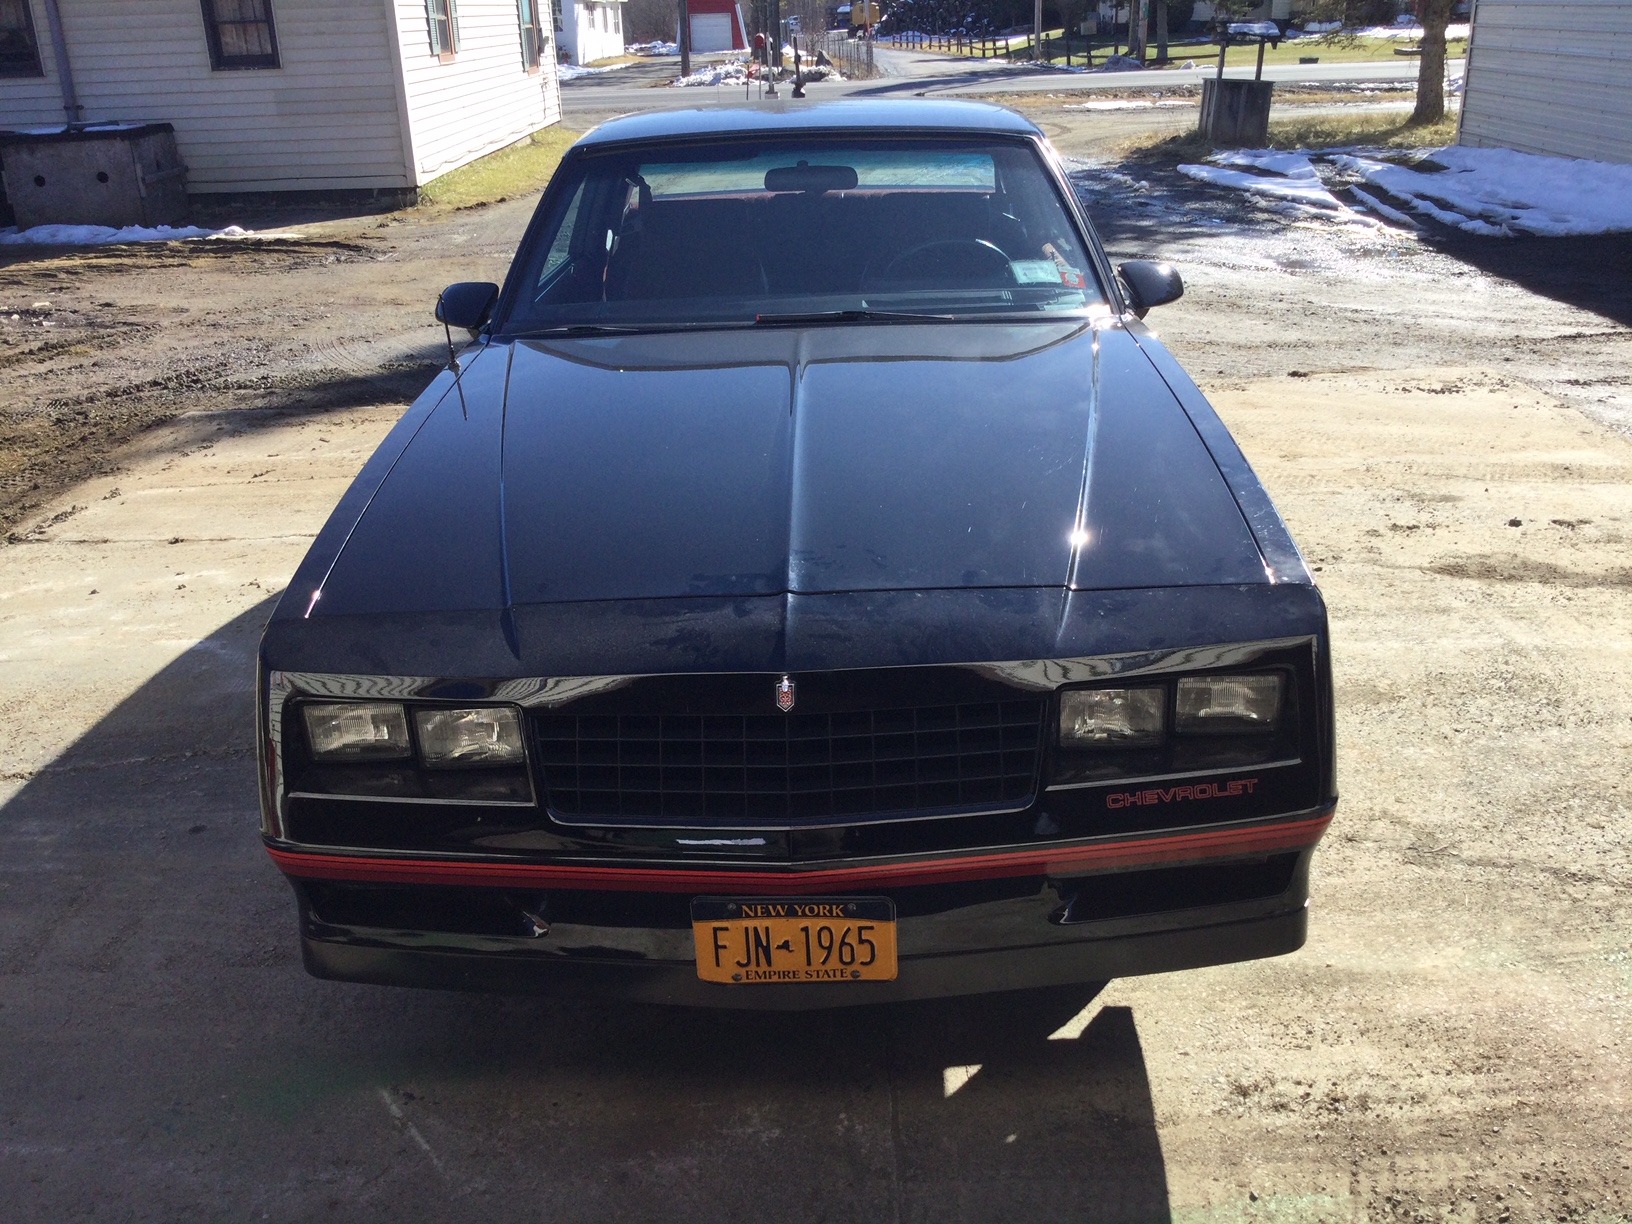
{"points": [[772, 230]]}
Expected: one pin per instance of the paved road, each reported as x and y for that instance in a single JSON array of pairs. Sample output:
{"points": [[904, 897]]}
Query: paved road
{"points": [[639, 87]]}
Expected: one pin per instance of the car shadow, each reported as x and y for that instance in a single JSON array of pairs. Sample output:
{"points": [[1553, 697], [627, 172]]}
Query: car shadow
{"points": [[165, 1046]]}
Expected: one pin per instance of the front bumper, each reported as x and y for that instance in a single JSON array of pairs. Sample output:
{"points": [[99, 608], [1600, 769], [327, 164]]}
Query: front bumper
{"points": [[1087, 960], [963, 927]]}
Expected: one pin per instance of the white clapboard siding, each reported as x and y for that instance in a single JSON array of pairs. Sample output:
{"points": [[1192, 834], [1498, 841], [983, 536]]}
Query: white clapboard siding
{"points": [[1551, 77], [326, 118], [479, 100], [357, 102]]}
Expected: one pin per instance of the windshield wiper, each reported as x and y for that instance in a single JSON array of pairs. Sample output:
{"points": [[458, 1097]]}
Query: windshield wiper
{"points": [[849, 316]]}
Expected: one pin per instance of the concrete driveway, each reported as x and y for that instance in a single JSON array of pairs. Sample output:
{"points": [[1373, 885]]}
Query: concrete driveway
{"points": [[1450, 450]]}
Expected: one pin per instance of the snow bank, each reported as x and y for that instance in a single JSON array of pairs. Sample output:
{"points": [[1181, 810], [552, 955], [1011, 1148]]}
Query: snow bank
{"points": [[1321, 27], [96, 235], [1120, 63], [1498, 191], [730, 72], [653, 48]]}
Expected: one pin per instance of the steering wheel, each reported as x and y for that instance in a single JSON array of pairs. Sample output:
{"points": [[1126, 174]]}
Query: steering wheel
{"points": [[971, 261]]}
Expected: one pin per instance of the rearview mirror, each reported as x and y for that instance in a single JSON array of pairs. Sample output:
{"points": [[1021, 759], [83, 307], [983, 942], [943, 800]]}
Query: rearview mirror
{"points": [[814, 179], [1150, 283], [467, 304]]}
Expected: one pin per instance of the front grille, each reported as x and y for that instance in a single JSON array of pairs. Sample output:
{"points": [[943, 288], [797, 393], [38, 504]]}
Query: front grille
{"points": [[790, 768]]}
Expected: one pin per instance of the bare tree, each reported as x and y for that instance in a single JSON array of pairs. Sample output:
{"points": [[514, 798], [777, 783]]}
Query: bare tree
{"points": [[1436, 15]]}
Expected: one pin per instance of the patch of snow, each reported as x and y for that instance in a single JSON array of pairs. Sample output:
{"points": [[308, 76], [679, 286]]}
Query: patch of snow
{"points": [[97, 235], [1299, 190], [1289, 165], [1491, 192], [1383, 210], [1499, 191], [653, 48], [1120, 63], [1411, 32], [57, 129], [1110, 105], [1321, 27], [571, 72]]}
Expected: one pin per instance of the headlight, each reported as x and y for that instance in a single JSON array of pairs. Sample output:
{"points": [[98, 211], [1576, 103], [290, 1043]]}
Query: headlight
{"points": [[372, 731], [1223, 705], [489, 736], [1111, 718]]}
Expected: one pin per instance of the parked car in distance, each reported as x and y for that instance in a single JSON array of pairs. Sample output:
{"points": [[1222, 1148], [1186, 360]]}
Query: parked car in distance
{"points": [[813, 585]]}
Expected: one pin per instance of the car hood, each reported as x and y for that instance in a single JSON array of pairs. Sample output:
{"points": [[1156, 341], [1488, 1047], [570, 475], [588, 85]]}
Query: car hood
{"points": [[818, 460]]}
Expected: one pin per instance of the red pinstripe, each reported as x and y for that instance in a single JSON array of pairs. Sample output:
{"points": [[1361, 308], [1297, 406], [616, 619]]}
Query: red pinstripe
{"points": [[1054, 860]]}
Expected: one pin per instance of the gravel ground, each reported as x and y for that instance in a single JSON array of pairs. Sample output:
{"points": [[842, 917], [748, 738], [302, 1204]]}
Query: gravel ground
{"points": [[1444, 425]]}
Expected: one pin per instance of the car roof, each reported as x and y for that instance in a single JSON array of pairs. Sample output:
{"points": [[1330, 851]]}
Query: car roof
{"points": [[857, 115]]}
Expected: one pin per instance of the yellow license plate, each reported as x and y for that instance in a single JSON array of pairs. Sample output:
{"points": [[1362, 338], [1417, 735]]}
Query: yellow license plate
{"points": [[801, 939]]}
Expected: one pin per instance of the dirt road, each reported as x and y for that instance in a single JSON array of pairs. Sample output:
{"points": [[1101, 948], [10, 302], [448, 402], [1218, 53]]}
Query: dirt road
{"points": [[1449, 446]]}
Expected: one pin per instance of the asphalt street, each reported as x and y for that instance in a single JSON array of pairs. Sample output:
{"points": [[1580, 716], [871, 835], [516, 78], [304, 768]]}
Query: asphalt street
{"points": [[644, 86]]}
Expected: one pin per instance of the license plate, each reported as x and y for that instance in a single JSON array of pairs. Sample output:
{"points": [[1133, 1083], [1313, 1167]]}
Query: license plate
{"points": [[805, 939]]}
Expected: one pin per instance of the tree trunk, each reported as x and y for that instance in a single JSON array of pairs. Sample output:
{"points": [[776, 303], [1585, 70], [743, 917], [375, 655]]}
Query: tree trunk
{"points": [[1436, 15], [1161, 31]]}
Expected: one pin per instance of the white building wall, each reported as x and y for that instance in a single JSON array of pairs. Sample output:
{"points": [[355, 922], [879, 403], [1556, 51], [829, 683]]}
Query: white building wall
{"points": [[326, 118], [480, 99], [1551, 78], [593, 29]]}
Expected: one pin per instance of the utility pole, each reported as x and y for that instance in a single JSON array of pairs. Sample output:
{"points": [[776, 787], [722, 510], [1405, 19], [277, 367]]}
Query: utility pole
{"points": [[1037, 30], [685, 38]]}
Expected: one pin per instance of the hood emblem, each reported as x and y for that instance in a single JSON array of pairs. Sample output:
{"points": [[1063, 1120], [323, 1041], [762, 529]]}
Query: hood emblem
{"points": [[784, 694]]}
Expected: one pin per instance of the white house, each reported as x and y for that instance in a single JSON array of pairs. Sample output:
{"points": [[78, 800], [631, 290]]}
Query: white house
{"points": [[325, 96], [1550, 78], [589, 29]]}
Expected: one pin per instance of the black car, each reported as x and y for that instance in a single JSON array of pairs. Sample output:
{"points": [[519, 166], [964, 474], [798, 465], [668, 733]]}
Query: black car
{"points": [[813, 585]]}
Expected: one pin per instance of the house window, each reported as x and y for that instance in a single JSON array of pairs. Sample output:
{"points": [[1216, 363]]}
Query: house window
{"points": [[444, 23], [240, 34], [555, 8], [532, 34], [19, 49]]}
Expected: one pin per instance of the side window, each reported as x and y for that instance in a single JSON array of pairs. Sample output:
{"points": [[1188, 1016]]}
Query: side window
{"points": [[443, 19], [532, 34], [561, 249], [239, 33], [19, 47]]}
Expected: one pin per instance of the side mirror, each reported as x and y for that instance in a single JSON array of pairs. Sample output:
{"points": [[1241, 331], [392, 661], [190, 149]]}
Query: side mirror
{"points": [[1150, 283], [467, 304]]}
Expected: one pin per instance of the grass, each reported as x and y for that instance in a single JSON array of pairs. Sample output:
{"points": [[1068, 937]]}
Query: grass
{"points": [[520, 169], [1325, 132]]}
